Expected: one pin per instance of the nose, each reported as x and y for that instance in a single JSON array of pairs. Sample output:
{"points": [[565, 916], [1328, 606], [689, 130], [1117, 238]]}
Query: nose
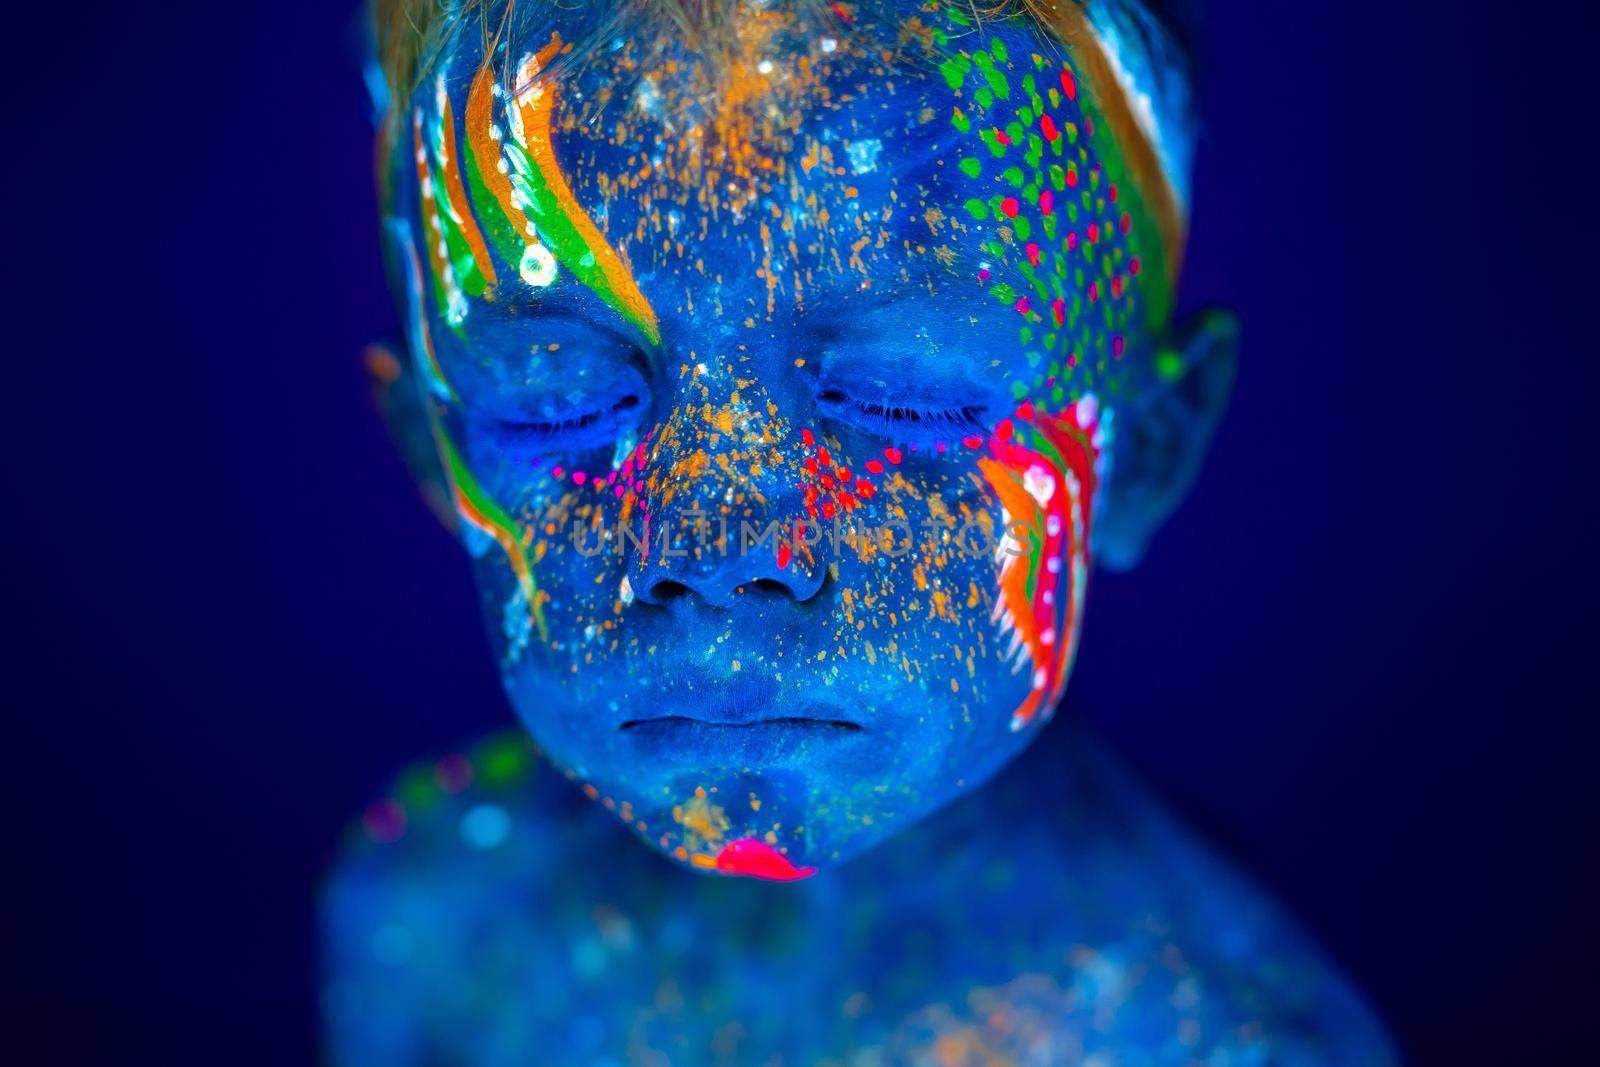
{"points": [[726, 503], [722, 582]]}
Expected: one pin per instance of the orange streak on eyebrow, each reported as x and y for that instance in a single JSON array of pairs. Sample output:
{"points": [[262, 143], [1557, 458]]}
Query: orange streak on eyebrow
{"points": [[432, 234], [480, 119], [536, 109], [456, 192]]}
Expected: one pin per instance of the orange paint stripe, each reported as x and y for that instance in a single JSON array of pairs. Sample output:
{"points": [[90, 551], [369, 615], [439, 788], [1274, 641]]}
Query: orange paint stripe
{"points": [[1106, 91], [536, 113], [456, 192], [480, 118]]}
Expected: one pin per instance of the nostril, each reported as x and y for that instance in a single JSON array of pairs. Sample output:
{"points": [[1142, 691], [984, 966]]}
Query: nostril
{"points": [[772, 585], [664, 590]]}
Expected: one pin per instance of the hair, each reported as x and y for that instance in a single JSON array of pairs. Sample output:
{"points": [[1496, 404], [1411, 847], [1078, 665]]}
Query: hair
{"points": [[408, 33]]}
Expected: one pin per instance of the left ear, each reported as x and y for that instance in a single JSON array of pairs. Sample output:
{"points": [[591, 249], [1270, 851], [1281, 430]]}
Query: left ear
{"points": [[400, 402], [1162, 439]]}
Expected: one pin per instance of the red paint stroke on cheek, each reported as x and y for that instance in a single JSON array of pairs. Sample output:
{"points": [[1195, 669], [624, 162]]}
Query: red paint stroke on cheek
{"points": [[757, 859]]}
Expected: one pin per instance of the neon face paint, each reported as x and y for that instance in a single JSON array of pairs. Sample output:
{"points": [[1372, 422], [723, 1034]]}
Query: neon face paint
{"points": [[780, 364]]}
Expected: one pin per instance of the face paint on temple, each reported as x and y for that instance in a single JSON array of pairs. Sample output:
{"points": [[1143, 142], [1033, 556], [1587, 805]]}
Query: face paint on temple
{"points": [[774, 362]]}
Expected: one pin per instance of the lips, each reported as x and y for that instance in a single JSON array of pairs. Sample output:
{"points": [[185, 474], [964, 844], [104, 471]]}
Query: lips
{"points": [[780, 722], [757, 859]]}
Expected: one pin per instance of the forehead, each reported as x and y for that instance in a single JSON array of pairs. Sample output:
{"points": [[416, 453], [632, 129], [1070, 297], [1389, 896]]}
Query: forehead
{"points": [[807, 154], [785, 165]]}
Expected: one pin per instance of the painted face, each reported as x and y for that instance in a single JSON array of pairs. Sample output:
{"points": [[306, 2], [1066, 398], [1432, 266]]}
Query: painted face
{"points": [[774, 378]]}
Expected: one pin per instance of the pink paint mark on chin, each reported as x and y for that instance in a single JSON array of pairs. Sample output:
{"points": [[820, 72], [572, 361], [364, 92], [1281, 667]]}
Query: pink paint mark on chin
{"points": [[756, 859]]}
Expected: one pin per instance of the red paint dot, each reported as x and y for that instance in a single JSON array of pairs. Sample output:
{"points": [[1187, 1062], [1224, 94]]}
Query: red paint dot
{"points": [[1094, 291], [893, 455], [1047, 126], [864, 489], [783, 557], [1025, 411], [1116, 285], [972, 441], [1118, 346], [1069, 85], [1111, 192], [1004, 430], [1047, 202], [1001, 136], [1009, 207], [823, 457], [874, 467], [842, 473], [1072, 242], [828, 510], [1032, 251], [1126, 222], [807, 438], [1134, 266], [1072, 177], [1058, 307]]}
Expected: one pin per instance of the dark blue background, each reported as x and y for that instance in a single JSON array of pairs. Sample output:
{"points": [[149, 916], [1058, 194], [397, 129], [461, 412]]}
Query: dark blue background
{"points": [[1354, 658]]}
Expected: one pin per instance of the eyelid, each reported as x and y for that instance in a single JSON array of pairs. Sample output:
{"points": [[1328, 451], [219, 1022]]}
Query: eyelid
{"points": [[914, 423]]}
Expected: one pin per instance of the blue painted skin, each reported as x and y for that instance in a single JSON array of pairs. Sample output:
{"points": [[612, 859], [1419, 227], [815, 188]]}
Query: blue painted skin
{"points": [[721, 696]]}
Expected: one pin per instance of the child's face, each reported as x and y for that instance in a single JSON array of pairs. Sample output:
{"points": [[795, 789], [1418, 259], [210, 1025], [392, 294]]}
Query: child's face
{"points": [[879, 286]]}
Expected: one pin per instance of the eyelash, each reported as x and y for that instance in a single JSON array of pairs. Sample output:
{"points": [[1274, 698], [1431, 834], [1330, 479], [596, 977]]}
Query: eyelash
{"points": [[593, 428], [909, 424]]}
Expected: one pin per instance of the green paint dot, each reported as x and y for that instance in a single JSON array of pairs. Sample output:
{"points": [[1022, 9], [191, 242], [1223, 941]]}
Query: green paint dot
{"points": [[977, 209], [955, 71], [1014, 176], [971, 168]]}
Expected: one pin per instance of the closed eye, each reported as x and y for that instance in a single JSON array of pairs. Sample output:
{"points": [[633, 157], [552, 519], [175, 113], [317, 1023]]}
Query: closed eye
{"points": [[904, 423], [589, 427]]}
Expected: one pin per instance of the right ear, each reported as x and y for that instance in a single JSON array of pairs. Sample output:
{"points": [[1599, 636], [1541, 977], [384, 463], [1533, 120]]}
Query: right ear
{"points": [[399, 400]]}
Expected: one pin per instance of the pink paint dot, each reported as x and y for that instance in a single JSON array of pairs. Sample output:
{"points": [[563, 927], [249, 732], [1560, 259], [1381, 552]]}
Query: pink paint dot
{"points": [[1094, 291], [1111, 192], [1023, 305], [1001, 136], [558, 472], [1126, 222], [1009, 207], [1047, 202], [1072, 242], [983, 275], [579, 477], [1118, 346], [384, 821], [1032, 251], [1134, 266], [1058, 308]]}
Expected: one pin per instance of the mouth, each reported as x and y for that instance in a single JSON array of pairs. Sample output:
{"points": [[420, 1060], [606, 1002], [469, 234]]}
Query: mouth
{"points": [[782, 722]]}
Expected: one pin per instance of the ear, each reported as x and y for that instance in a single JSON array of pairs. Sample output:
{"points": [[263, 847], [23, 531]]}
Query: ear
{"points": [[400, 402], [1162, 439]]}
